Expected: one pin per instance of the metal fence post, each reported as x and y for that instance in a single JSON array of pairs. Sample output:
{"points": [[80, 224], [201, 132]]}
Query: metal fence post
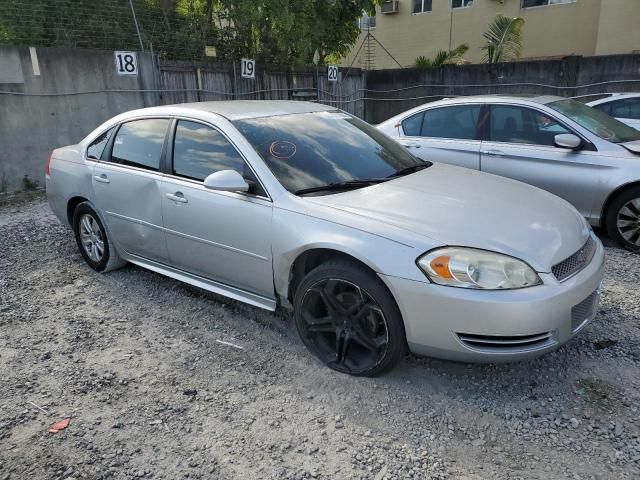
{"points": [[135, 20]]}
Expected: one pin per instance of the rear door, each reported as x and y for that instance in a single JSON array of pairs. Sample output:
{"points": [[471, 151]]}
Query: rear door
{"points": [[222, 236], [520, 145], [448, 134], [126, 183]]}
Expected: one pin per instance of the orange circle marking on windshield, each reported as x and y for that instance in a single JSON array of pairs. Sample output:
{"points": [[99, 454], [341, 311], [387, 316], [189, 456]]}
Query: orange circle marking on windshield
{"points": [[282, 149]]}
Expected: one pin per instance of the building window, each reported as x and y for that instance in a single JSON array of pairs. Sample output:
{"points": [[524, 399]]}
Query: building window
{"points": [[421, 6], [543, 3], [366, 22], [461, 3]]}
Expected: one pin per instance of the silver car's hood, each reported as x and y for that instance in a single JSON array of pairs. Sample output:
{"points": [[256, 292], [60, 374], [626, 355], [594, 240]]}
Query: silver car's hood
{"points": [[462, 207]]}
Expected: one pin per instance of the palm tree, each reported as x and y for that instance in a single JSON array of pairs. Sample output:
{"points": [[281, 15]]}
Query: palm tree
{"points": [[442, 57], [504, 39]]}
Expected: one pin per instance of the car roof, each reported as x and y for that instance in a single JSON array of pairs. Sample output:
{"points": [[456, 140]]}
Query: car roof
{"points": [[237, 109], [521, 99], [534, 98], [612, 97]]}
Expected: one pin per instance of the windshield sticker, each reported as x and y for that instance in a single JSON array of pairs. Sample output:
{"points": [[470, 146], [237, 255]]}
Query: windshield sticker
{"points": [[282, 150]]}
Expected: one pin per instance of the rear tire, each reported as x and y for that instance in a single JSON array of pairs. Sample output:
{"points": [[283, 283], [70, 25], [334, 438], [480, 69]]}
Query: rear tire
{"points": [[623, 219], [93, 242], [348, 319]]}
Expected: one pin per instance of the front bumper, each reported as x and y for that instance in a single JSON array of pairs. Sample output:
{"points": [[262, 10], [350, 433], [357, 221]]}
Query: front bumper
{"points": [[497, 326]]}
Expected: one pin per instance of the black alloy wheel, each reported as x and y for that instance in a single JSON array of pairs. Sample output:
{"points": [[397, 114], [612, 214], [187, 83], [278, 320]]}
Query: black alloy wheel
{"points": [[348, 319]]}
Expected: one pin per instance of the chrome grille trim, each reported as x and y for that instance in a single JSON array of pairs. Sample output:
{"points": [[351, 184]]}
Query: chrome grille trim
{"points": [[576, 262], [584, 311], [506, 344]]}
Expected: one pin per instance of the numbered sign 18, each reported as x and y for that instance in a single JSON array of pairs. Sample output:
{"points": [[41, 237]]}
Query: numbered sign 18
{"points": [[248, 68], [332, 73], [126, 63]]}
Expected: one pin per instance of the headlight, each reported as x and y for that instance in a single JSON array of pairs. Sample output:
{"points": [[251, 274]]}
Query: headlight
{"points": [[471, 268]]}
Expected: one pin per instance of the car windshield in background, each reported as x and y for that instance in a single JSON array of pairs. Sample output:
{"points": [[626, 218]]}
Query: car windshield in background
{"points": [[596, 122], [313, 150]]}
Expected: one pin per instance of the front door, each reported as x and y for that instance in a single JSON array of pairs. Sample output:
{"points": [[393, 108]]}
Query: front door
{"points": [[521, 146], [126, 183], [222, 236], [445, 134]]}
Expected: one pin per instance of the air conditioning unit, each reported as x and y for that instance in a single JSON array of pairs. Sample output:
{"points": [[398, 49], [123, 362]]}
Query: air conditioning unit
{"points": [[390, 6]]}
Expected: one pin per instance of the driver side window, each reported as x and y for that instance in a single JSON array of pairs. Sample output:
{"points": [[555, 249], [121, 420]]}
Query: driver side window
{"points": [[199, 151], [513, 124]]}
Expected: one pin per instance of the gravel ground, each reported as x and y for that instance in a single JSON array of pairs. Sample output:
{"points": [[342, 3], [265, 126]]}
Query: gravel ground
{"points": [[135, 360]]}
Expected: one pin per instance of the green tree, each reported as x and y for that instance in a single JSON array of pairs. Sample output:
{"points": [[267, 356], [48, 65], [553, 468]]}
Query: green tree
{"points": [[278, 31], [293, 31], [504, 39], [442, 57]]}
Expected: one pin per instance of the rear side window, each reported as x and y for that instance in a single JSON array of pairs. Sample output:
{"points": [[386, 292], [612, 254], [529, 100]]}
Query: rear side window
{"points": [[629, 108], [139, 143], [413, 125], [458, 122], [200, 151], [94, 151]]}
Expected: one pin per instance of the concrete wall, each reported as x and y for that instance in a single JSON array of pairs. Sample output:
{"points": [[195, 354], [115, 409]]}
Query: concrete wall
{"points": [[393, 91], [32, 125], [583, 27]]}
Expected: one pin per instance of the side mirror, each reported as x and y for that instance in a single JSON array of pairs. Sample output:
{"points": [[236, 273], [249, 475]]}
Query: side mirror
{"points": [[226, 181], [568, 140]]}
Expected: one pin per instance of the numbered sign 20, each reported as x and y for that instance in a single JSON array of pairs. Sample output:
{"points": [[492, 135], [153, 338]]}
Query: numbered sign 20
{"points": [[332, 73], [248, 68], [126, 63]]}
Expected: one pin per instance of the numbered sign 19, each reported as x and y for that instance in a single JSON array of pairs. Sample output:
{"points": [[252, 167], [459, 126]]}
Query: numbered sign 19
{"points": [[248, 68], [126, 63], [332, 73]]}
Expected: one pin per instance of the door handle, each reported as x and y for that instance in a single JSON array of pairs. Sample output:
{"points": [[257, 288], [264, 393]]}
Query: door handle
{"points": [[177, 197], [102, 178], [493, 153], [412, 145]]}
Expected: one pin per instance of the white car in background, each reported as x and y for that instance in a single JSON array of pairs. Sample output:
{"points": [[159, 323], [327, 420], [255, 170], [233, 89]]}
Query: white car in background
{"points": [[622, 106], [558, 144]]}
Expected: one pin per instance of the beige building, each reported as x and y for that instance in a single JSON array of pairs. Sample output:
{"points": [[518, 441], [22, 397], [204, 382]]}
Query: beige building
{"points": [[553, 28]]}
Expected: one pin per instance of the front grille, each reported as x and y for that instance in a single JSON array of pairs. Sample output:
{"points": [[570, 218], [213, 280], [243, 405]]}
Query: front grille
{"points": [[506, 344], [584, 311], [576, 262]]}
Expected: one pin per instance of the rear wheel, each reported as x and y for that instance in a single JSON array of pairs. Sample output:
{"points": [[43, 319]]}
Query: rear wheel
{"points": [[349, 320], [92, 240], [623, 219]]}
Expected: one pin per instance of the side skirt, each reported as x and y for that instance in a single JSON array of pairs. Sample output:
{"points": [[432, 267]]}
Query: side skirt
{"points": [[204, 283]]}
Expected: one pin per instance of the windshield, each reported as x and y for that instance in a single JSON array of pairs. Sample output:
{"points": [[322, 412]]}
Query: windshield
{"points": [[596, 122], [311, 150]]}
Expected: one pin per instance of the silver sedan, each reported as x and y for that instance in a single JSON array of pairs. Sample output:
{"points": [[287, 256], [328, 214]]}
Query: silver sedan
{"points": [[302, 206], [574, 151]]}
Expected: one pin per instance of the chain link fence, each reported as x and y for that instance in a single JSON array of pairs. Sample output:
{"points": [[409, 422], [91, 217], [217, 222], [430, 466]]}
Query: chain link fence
{"points": [[172, 29]]}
